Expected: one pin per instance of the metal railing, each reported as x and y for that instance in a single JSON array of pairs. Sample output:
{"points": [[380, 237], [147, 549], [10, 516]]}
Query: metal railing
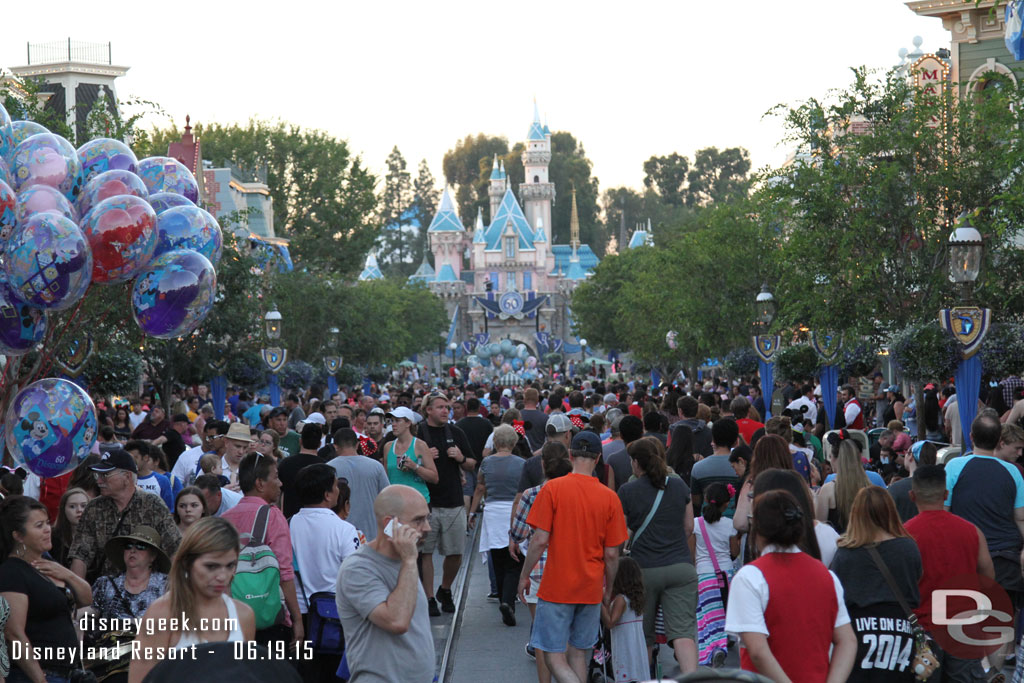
{"points": [[69, 51], [244, 175]]}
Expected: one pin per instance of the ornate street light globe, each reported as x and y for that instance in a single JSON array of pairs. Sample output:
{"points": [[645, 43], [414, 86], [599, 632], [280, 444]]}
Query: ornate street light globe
{"points": [[583, 343], [334, 336], [765, 310], [965, 251], [272, 320]]}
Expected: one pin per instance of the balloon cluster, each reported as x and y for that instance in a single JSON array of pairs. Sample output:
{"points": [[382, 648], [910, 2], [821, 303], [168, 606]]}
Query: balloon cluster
{"points": [[502, 358], [96, 215]]}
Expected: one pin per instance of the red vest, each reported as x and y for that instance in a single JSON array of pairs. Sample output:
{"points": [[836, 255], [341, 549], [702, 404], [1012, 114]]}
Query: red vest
{"points": [[800, 616], [859, 422]]}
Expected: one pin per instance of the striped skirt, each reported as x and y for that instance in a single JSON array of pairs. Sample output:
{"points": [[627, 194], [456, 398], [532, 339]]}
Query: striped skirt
{"points": [[710, 618]]}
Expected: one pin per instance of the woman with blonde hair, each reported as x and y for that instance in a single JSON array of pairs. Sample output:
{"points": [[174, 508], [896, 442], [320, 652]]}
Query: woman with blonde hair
{"points": [[198, 591], [879, 566], [834, 501]]}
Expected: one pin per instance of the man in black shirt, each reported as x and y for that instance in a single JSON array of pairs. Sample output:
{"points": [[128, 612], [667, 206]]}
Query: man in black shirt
{"points": [[172, 441], [452, 454], [477, 429], [289, 467]]}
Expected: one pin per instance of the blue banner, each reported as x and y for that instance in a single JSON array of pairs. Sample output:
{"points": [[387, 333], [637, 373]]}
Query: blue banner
{"points": [[332, 385], [968, 384], [275, 390], [219, 394], [767, 386], [829, 389]]}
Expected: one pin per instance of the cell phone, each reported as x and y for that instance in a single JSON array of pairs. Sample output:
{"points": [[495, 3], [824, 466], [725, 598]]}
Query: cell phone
{"points": [[391, 527]]}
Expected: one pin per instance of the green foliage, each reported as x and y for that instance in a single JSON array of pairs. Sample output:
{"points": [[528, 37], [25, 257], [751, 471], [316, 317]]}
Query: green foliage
{"points": [[467, 166], [425, 198], [796, 363], [296, 375], [113, 370], [23, 100], [247, 370], [715, 176], [861, 216], [741, 361], [1002, 352], [324, 200], [858, 358], [923, 351], [394, 205], [667, 176]]}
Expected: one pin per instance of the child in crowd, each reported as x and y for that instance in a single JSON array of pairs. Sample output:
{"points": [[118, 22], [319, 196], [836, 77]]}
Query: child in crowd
{"points": [[714, 543], [624, 616], [210, 464]]}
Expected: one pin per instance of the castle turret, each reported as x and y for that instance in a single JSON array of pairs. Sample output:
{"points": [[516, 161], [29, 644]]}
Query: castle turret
{"points": [[446, 240], [536, 192], [497, 187]]}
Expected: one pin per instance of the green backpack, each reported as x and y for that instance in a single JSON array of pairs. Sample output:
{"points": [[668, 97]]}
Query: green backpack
{"points": [[257, 580]]}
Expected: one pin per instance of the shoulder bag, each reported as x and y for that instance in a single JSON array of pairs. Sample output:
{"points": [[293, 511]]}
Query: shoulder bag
{"points": [[627, 549], [925, 662], [721, 576]]}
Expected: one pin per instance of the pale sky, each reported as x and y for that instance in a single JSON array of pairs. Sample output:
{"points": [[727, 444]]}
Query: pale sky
{"points": [[627, 79]]}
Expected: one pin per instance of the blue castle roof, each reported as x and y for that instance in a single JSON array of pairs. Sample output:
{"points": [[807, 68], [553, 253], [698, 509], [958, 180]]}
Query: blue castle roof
{"points": [[371, 271], [563, 254], [425, 273], [446, 274], [508, 213], [446, 219], [536, 133], [495, 173]]}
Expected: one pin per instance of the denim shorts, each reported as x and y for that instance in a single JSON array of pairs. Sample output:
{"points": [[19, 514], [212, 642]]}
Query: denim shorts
{"points": [[556, 623]]}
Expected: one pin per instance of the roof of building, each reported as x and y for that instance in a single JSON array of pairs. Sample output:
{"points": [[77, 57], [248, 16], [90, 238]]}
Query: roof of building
{"points": [[446, 274], [509, 215], [187, 150], [575, 270], [640, 238], [371, 271], [536, 132], [495, 173], [425, 273], [478, 230], [539, 236], [563, 254], [446, 219]]}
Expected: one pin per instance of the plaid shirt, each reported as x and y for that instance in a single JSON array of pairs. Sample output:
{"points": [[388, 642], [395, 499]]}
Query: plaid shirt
{"points": [[1011, 385], [520, 531]]}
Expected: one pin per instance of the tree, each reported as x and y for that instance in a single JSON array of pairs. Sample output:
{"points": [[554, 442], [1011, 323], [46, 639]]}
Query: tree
{"points": [[667, 176], [717, 175], [424, 205], [860, 219], [465, 167], [324, 200], [24, 99], [395, 205]]}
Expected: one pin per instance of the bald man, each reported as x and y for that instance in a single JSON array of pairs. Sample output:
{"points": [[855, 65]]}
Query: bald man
{"points": [[381, 602]]}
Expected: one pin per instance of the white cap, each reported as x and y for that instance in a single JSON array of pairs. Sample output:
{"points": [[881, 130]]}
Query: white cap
{"points": [[312, 418], [405, 413]]}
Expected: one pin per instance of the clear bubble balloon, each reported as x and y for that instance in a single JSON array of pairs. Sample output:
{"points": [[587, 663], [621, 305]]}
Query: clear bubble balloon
{"points": [[6, 133], [48, 262], [161, 201], [173, 294], [50, 427], [522, 352], [23, 130], [8, 211], [122, 236], [22, 326], [189, 227], [110, 184], [507, 347], [47, 159], [43, 199], [483, 352], [164, 174], [5, 172], [105, 154], [472, 361]]}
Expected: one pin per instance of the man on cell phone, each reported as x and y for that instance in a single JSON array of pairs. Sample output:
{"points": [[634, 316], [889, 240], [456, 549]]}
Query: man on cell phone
{"points": [[381, 603]]}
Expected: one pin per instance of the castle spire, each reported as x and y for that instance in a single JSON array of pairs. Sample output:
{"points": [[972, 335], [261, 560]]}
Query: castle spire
{"points": [[574, 224]]}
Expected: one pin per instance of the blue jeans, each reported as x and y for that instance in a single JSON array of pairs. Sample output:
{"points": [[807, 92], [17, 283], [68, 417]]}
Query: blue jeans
{"points": [[556, 623], [18, 676]]}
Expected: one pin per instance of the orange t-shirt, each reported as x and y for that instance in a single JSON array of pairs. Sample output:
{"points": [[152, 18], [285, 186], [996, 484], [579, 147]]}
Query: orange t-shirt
{"points": [[583, 517]]}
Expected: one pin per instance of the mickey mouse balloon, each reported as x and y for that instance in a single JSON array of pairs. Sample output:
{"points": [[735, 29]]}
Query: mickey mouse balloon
{"points": [[50, 427], [173, 294]]}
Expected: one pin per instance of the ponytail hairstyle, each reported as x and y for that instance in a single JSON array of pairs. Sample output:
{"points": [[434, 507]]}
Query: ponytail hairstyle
{"points": [[778, 518], [649, 455], [718, 498]]}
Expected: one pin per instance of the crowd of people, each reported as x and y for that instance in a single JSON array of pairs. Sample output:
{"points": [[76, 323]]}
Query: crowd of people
{"points": [[615, 512]]}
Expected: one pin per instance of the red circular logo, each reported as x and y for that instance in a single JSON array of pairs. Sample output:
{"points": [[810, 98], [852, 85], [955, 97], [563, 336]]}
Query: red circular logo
{"points": [[971, 616]]}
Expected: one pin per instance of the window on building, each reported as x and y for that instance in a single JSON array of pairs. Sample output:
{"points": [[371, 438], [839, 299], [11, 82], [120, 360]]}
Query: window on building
{"points": [[527, 280], [510, 281], [495, 281], [536, 178], [510, 247]]}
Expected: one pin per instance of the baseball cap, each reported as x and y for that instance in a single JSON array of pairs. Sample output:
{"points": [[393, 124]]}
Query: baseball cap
{"points": [[892, 388], [558, 423], [405, 413], [117, 459], [280, 410], [611, 398], [587, 441], [180, 417], [313, 418]]}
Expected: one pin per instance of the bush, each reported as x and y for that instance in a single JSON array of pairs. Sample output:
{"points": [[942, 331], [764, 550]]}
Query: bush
{"points": [[857, 360], [741, 361], [296, 376], [924, 351], [113, 371], [1002, 352], [247, 371], [796, 363]]}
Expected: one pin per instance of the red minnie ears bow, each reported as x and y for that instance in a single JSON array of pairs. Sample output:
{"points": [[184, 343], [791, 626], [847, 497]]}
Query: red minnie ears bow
{"points": [[368, 445], [519, 426], [577, 421]]}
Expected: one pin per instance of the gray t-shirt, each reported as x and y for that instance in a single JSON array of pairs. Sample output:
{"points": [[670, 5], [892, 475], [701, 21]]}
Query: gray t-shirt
{"points": [[366, 478], [501, 475], [535, 434], [365, 581], [664, 540], [900, 492], [616, 456]]}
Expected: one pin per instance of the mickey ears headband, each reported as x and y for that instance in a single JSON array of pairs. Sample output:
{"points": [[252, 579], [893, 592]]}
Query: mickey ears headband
{"points": [[837, 437], [19, 472]]}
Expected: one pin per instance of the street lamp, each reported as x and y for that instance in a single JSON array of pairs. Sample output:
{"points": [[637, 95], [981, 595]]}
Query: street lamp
{"points": [[965, 250], [274, 356], [766, 345], [583, 350]]}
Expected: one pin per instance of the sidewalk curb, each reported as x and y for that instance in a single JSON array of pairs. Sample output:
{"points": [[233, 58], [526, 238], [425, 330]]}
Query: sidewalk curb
{"points": [[460, 589]]}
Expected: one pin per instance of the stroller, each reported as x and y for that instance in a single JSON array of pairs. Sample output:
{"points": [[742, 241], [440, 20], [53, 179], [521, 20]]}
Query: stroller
{"points": [[600, 668]]}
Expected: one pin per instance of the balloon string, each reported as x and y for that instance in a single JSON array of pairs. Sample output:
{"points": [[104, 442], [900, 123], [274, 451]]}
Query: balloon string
{"points": [[47, 363]]}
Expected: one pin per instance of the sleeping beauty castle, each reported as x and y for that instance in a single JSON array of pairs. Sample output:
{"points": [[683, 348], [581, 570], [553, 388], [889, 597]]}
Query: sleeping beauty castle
{"points": [[505, 279]]}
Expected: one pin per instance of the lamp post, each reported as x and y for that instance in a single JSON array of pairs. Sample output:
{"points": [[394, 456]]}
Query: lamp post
{"points": [[332, 362], [274, 356], [968, 324], [766, 345]]}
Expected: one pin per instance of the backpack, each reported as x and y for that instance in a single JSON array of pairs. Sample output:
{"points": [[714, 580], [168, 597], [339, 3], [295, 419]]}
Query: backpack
{"points": [[257, 580]]}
